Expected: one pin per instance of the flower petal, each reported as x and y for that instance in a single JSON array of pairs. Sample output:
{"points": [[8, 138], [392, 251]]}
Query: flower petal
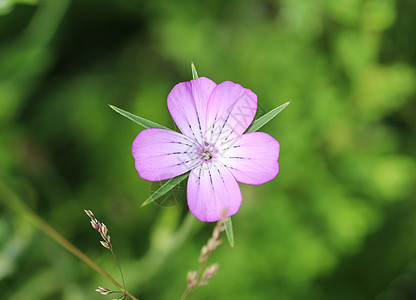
{"points": [[162, 154], [252, 158], [231, 109], [211, 189], [187, 104]]}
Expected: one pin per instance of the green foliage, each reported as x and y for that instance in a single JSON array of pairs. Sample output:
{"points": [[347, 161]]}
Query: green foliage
{"points": [[6, 6], [336, 223], [166, 187], [194, 72], [263, 120], [139, 120], [229, 231]]}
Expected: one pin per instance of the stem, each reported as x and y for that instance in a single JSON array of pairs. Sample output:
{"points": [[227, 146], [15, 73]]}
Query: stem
{"points": [[200, 269], [198, 276], [14, 202], [119, 268], [185, 293]]}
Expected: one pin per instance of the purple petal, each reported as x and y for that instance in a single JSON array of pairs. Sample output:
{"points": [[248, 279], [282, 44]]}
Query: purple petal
{"points": [[252, 158], [162, 154], [211, 189], [231, 109], [187, 104]]}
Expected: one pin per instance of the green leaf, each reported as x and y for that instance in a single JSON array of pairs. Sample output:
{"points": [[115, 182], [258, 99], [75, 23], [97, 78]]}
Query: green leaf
{"points": [[170, 184], [229, 231], [139, 120], [257, 124], [194, 72]]}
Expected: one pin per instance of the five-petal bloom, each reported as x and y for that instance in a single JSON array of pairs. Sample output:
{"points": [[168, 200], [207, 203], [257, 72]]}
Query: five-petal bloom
{"points": [[212, 146]]}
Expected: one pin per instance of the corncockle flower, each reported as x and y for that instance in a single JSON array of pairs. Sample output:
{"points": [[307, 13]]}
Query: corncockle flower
{"points": [[212, 146]]}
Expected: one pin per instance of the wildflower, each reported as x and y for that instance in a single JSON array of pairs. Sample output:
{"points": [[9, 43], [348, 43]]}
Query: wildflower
{"points": [[212, 146]]}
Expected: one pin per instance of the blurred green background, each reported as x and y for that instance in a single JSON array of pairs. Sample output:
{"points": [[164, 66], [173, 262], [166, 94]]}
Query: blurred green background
{"points": [[338, 222]]}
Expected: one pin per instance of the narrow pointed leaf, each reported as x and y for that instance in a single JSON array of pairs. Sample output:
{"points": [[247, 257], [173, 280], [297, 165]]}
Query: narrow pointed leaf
{"points": [[170, 184], [257, 124], [139, 120], [194, 72], [229, 231]]}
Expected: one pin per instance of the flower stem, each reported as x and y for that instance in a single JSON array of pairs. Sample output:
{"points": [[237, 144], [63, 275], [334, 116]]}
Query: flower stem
{"points": [[185, 293], [13, 201], [119, 268]]}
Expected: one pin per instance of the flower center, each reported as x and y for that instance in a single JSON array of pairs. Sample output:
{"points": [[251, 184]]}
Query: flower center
{"points": [[206, 155], [207, 151]]}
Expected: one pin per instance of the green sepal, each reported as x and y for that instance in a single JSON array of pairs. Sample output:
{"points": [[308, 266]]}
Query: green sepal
{"points": [[139, 120], [194, 72], [166, 187], [263, 120], [229, 231]]}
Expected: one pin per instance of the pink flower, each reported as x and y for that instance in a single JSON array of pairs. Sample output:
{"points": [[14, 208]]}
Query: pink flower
{"points": [[212, 146]]}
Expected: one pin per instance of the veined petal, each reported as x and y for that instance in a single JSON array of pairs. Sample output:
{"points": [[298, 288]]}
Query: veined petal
{"points": [[162, 154], [231, 110], [252, 158], [187, 104], [211, 189]]}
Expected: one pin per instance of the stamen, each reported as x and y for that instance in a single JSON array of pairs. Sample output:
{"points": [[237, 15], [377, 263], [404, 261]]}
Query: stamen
{"points": [[206, 155], [207, 151]]}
